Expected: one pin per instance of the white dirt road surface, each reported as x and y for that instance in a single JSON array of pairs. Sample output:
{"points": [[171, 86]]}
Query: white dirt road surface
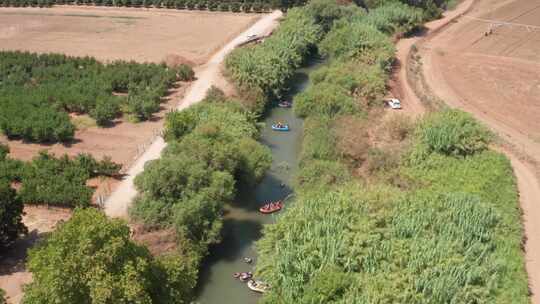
{"points": [[118, 203]]}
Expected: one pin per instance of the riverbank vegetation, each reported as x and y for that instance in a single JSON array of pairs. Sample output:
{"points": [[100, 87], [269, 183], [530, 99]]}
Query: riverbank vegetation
{"points": [[38, 92], [212, 150], [388, 210], [91, 259]]}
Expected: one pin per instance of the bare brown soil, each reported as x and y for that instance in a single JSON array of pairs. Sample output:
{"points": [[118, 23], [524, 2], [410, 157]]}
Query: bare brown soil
{"points": [[159, 242], [120, 33], [13, 274], [496, 77]]}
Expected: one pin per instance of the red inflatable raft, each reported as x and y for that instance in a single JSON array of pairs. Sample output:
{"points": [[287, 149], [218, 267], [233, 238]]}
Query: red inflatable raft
{"points": [[271, 207]]}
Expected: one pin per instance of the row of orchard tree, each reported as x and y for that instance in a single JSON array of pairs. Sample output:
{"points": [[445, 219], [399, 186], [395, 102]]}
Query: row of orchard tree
{"points": [[37, 92], [246, 6]]}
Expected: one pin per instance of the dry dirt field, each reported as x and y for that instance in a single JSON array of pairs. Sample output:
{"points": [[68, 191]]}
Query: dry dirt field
{"points": [[498, 74], [120, 33]]}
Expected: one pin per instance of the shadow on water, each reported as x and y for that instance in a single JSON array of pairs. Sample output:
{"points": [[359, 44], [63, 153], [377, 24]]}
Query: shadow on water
{"points": [[243, 224]]}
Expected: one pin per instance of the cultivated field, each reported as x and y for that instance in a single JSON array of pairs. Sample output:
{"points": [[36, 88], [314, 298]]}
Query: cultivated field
{"points": [[120, 33], [109, 34], [498, 74]]}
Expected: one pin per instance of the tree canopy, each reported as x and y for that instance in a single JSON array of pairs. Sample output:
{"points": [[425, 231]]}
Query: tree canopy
{"points": [[11, 211], [91, 259], [37, 92]]}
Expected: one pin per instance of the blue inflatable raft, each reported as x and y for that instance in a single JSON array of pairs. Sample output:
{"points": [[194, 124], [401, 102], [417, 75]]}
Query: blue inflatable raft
{"points": [[275, 127]]}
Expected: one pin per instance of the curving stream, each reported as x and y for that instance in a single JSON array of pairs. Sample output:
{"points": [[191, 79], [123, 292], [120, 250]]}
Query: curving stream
{"points": [[242, 221]]}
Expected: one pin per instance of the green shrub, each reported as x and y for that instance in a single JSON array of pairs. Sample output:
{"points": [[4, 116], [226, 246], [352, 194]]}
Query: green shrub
{"points": [[319, 141], [11, 212], [324, 100], [105, 111], [359, 41], [185, 73], [267, 67], [68, 187], [453, 132], [395, 17], [366, 82], [322, 174]]}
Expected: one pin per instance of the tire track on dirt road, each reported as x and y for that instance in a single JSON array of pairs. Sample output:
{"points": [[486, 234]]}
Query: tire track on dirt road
{"points": [[118, 203], [525, 172]]}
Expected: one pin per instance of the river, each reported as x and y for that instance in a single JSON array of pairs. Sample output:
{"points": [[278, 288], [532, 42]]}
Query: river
{"points": [[242, 221]]}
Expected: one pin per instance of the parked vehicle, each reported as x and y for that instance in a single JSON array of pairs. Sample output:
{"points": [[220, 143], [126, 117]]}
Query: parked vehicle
{"points": [[394, 103]]}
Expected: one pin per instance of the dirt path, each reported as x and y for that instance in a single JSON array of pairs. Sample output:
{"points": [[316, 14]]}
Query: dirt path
{"points": [[412, 104], [433, 75], [118, 203]]}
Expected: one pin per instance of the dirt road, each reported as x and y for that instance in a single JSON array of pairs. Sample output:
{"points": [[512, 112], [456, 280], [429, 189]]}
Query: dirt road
{"points": [[118, 203], [506, 114]]}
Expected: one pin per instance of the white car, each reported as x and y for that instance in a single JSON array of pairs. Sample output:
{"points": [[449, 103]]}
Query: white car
{"points": [[394, 103], [251, 37]]}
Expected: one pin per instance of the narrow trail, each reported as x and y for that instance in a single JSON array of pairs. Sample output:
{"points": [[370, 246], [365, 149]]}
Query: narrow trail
{"points": [[118, 203], [525, 172]]}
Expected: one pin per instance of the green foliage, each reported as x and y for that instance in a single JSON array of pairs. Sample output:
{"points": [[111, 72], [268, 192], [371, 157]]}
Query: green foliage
{"points": [[455, 237], [445, 229], [91, 259], [4, 151], [359, 41], [11, 211], [57, 181], [227, 117], [268, 66], [326, 12], [365, 82], [453, 132], [67, 188], [324, 99], [211, 148], [322, 174], [395, 17], [319, 142], [38, 91]]}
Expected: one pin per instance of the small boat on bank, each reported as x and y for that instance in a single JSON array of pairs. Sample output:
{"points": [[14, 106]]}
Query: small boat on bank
{"points": [[258, 286], [280, 127], [271, 207], [285, 104]]}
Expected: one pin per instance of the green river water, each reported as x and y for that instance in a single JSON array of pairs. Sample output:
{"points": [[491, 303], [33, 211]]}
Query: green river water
{"points": [[242, 221]]}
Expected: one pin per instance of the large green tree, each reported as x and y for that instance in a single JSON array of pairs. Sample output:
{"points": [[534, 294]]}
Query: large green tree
{"points": [[11, 210], [91, 259]]}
